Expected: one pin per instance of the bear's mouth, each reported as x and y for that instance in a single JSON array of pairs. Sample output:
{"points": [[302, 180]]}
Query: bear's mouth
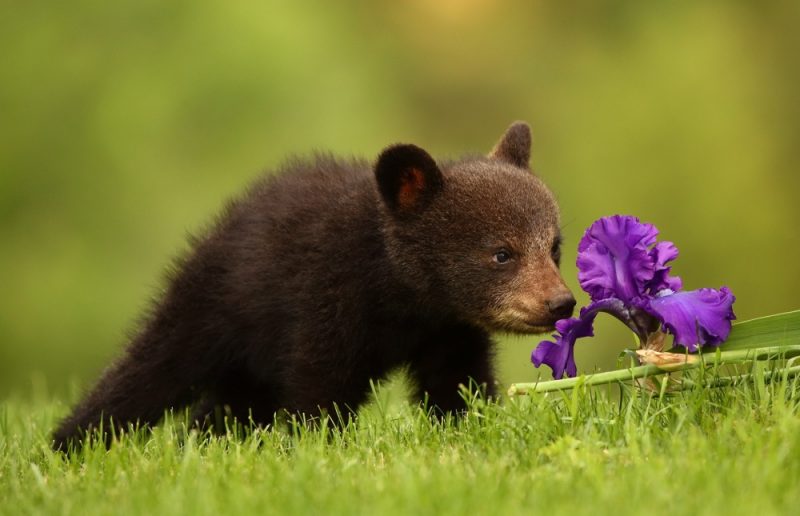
{"points": [[529, 327], [519, 321], [540, 326]]}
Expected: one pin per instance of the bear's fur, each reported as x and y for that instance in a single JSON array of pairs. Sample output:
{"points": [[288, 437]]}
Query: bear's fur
{"points": [[334, 272]]}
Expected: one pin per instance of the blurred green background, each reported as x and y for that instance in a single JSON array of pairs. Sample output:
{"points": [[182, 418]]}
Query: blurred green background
{"points": [[124, 125]]}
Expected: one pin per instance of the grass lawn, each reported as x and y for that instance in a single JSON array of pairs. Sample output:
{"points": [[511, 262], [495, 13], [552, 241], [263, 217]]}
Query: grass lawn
{"points": [[707, 451]]}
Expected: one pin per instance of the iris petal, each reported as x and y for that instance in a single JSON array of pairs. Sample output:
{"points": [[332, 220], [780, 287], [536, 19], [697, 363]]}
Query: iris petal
{"points": [[696, 317], [661, 254], [559, 354], [614, 260]]}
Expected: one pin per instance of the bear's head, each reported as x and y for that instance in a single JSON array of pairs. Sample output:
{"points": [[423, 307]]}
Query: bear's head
{"points": [[478, 238]]}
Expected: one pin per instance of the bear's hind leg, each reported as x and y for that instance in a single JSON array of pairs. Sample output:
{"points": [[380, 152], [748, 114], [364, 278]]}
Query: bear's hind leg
{"points": [[137, 389]]}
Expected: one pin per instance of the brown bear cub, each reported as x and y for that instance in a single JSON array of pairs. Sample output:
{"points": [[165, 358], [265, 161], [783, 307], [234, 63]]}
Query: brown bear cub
{"points": [[334, 272]]}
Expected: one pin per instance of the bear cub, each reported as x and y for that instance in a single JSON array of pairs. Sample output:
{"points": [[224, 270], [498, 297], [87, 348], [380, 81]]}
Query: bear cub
{"points": [[333, 272]]}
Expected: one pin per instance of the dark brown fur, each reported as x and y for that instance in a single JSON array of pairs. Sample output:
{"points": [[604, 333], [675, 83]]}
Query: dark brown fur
{"points": [[321, 278]]}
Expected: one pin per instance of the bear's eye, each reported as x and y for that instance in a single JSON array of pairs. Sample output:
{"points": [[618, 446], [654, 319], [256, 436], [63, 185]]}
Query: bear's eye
{"points": [[502, 256], [555, 250]]}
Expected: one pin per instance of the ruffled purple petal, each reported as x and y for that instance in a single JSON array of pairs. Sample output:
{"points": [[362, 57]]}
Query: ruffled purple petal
{"points": [[697, 317], [661, 254], [614, 260], [559, 354]]}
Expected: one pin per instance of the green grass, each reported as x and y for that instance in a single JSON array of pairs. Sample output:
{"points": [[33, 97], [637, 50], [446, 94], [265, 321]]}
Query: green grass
{"points": [[704, 451]]}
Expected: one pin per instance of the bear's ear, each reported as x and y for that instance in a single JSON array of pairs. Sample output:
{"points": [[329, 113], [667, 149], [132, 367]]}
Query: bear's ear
{"points": [[407, 177], [515, 145]]}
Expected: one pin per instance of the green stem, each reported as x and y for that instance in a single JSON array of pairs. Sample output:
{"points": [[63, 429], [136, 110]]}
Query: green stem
{"points": [[725, 381], [710, 358]]}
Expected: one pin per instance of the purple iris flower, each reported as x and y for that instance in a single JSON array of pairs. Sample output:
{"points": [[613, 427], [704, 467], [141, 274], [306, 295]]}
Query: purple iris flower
{"points": [[625, 272]]}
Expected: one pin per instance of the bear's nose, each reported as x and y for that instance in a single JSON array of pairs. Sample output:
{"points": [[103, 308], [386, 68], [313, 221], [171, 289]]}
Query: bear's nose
{"points": [[561, 306]]}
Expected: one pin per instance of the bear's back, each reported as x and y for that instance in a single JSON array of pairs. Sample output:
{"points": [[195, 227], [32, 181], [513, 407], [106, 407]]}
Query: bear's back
{"points": [[302, 238]]}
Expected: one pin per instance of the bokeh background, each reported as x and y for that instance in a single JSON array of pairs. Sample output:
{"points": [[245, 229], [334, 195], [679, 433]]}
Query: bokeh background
{"points": [[125, 125]]}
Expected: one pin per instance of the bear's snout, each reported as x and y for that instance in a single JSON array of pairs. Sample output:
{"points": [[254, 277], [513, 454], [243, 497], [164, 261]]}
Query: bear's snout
{"points": [[561, 306]]}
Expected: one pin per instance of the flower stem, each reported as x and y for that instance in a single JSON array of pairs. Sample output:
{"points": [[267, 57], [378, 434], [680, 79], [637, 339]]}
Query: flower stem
{"points": [[725, 381], [710, 358]]}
